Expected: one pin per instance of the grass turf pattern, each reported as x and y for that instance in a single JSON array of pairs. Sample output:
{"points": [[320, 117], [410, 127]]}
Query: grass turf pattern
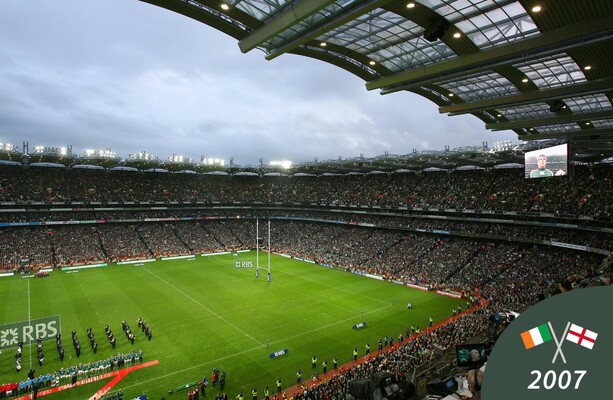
{"points": [[205, 313]]}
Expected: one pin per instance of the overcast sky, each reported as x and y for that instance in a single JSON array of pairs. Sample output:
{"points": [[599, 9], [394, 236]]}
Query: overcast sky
{"points": [[133, 77]]}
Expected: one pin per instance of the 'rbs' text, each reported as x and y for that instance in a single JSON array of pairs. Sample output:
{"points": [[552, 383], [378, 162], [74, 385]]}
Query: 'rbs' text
{"points": [[28, 331], [243, 264]]}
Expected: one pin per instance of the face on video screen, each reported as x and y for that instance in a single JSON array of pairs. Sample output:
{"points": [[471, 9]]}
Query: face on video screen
{"points": [[546, 163]]}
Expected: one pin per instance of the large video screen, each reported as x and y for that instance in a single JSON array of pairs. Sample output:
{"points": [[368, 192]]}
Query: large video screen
{"points": [[471, 355], [546, 163]]}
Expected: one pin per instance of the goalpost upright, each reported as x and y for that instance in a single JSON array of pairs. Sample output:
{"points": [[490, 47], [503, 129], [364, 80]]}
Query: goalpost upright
{"points": [[257, 243]]}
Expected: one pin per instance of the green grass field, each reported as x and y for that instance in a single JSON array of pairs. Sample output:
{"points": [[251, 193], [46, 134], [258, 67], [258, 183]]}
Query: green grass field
{"points": [[206, 313]]}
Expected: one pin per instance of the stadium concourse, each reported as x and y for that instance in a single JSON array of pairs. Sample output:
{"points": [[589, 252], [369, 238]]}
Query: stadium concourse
{"points": [[511, 241]]}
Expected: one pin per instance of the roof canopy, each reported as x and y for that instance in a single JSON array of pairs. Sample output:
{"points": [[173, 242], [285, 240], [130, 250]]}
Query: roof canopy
{"points": [[543, 69]]}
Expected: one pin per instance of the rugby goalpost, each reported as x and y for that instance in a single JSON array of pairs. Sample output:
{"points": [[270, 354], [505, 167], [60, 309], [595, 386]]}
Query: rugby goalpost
{"points": [[257, 243]]}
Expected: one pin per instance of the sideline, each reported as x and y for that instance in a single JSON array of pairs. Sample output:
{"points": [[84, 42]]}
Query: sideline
{"points": [[322, 378]]}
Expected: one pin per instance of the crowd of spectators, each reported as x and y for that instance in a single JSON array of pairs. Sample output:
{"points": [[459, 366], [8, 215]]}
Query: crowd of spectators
{"points": [[400, 359], [161, 240], [515, 290], [197, 238], [586, 235], [76, 244], [404, 256], [121, 242], [25, 246], [508, 275], [585, 191]]}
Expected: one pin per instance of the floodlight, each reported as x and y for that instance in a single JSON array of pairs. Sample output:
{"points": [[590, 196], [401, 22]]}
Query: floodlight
{"points": [[285, 164]]}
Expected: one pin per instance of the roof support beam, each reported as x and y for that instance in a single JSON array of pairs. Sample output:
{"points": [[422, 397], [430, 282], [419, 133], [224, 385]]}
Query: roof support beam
{"points": [[548, 43], [555, 120], [585, 134], [601, 145], [289, 18], [569, 91], [342, 19]]}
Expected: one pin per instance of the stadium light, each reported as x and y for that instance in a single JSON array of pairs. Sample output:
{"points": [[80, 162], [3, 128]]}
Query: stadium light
{"points": [[53, 151], [142, 156], [107, 153], [502, 145], [213, 161], [175, 158], [7, 147], [285, 164]]}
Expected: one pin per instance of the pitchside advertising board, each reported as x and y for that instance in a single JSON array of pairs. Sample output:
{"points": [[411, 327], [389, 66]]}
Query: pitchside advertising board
{"points": [[28, 331], [560, 348], [278, 353]]}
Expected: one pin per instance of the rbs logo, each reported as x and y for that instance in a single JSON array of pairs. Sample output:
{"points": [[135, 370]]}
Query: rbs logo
{"points": [[29, 331], [243, 264], [278, 353]]}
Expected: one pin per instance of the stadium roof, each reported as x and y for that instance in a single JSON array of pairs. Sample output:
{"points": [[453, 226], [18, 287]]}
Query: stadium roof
{"points": [[543, 69], [501, 155]]}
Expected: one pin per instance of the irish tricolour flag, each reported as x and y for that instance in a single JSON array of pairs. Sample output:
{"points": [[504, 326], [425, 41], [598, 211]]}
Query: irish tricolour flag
{"points": [[536, 336]]}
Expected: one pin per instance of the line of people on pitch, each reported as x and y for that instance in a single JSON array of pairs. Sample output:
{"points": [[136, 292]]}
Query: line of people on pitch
{"points": [[267, 394], [85, 370], [216, 376], [70, 374], [18, 356], [118, 395], [324, 367], [19, 353], [145, 328], [33, 383], [126, 329], [200, 390]]}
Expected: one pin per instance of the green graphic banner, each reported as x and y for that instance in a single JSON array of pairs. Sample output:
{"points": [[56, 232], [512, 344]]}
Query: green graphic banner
{"points": [[561, 348]]}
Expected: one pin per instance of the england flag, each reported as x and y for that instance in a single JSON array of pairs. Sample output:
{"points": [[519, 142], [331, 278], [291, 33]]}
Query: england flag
{"points": [[581, 336]]}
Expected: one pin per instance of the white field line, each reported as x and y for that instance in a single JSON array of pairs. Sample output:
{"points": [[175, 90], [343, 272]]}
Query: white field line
{"points": [[249, 350]]}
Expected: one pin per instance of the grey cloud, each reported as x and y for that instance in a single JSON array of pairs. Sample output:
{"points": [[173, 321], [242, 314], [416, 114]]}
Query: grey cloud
{"points": [[131, 76]]}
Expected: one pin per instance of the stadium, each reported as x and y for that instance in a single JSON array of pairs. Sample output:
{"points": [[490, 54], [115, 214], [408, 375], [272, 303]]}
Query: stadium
{"points": [[366, 278]]}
